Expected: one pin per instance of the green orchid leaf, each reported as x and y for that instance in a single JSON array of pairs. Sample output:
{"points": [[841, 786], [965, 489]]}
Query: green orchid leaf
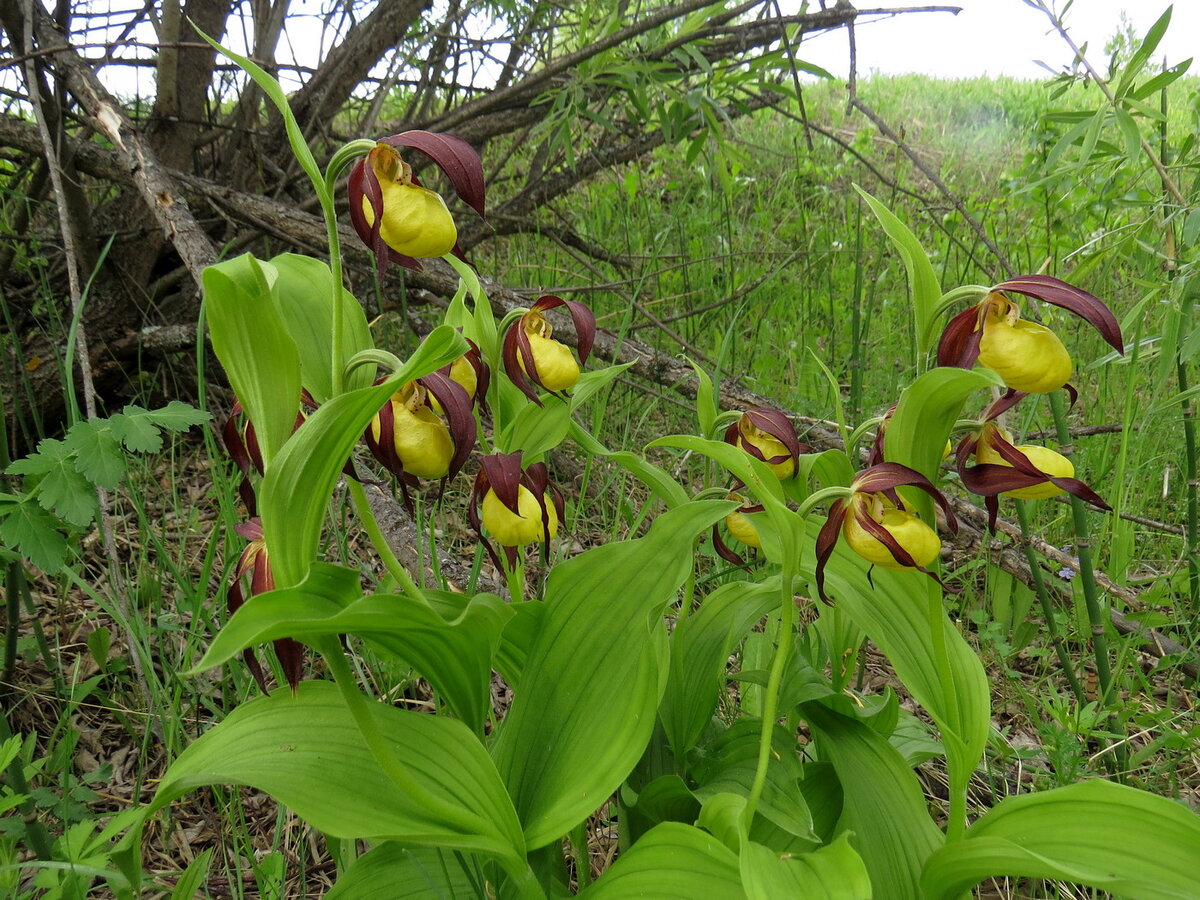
{"points": [[755, 474], [728, 766], [833, 872], [660, 482], [603, 605], [390, 870], [922, 279], [1100, 834], [706, 402], [884, 808], [672, 860], [830, 467], [302, 290], [454, 654], [901, 612], [306, 751], [299, 483], [520, 632], [917, 432], [665, 799], [700, 647], [254, 347]]}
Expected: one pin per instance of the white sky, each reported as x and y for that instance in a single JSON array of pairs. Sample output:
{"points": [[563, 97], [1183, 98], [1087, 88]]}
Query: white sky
{"points": [[989, 37], [999, 37]]}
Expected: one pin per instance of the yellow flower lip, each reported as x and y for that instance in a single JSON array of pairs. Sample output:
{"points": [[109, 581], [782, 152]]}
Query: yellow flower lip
{"points": [[910, 533], [516, 506], [397, 218], [555, 365], [413, 441], [874, 523], [415, 220], [1029, 357], [516, 529]]}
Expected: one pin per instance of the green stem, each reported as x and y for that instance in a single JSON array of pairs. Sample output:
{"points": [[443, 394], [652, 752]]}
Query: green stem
{"points": [[579, 850], [956, 822], [515, 578], [1087, 573], [367, 516], [325, 190], [440, 811], [1189, 449], [1039, 586], [14, 585], [35, 831], [787, 613], [339, 293]]}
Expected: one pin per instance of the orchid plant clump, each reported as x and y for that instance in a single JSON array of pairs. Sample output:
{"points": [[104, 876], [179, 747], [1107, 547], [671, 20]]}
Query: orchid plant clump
{"points": [[618, 656]]}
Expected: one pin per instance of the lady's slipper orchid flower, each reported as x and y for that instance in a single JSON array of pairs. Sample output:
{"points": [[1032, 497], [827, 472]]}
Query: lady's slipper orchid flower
{"points": [[1025, 471], [517, 506], [740, 529], [254, 562], [412, 441], [398, 218], [767, 434], [875, 524], [533, 357], [1029, 357]]}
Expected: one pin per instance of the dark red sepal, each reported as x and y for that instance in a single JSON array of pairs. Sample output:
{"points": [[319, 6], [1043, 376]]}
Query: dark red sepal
{"points": [[886, 477], [452, 155], [1055, 291], [724, 551], [958, 346], [514, 351], [456, 407], [827, 539], [503, 475]]}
